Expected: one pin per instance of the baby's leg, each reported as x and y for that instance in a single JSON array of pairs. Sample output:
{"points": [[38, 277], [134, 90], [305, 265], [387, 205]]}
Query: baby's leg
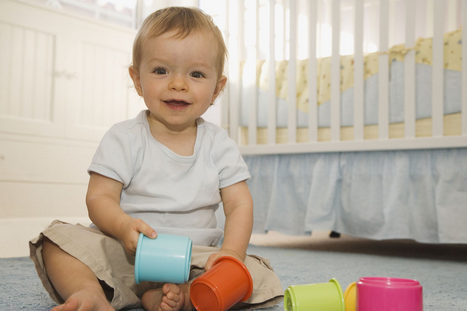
{"points": [[170, 298], [73, 280]]}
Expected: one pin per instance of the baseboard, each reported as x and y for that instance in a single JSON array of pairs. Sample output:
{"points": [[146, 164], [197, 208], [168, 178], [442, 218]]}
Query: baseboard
{"points": [[15, 233]]}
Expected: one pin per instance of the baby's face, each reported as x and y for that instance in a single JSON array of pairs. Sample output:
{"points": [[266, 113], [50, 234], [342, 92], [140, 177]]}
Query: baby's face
{"points": [[178, 78]]}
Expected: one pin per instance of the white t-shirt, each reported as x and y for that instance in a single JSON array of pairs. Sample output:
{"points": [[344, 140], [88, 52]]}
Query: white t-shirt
{"points": [[174, 194]]}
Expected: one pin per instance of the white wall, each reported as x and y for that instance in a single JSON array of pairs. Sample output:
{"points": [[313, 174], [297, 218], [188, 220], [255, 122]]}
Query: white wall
{"points": [[154, 5]]}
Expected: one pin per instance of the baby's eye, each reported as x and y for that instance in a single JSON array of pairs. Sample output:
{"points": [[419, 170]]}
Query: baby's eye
{"points": [[160, 71], [197, 74]]}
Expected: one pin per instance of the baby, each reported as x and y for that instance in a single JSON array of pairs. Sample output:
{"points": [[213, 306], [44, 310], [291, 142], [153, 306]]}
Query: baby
{"points": [[165, 171]]}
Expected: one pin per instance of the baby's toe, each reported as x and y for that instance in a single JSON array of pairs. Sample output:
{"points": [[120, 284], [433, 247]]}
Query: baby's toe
{"points": [[169, 302], [166, 288], [174, 297], [172, 288]]}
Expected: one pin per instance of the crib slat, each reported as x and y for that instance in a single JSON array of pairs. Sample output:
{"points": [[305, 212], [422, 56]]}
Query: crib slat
{"points": [[464, 69], [451, 13], [409, 63], [272, 74], [383, 76], [284, 32], [335, 72], [236, 42], [358, 74], [258, 53], [429, 19], [250, 94], [225, 99], [292, 93], [312, 72], [437, 105]]}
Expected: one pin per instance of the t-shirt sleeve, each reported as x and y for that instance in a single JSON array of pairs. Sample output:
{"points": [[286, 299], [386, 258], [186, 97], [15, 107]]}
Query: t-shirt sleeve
{"points": [[231, 166], [113, 157]]}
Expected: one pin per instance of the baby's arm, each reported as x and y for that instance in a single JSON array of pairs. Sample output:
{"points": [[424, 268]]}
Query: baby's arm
{"points": [[103, 202], [238, 209]]}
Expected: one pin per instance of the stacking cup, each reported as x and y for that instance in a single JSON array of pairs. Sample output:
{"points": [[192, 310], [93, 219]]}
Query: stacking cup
{"points": [[387, 294], [225, 284], [350, 297], [167, 259], [314, 297]]}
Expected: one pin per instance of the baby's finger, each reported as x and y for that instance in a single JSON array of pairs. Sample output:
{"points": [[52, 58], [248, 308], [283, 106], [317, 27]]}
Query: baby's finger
{"points": [[145, 229], [210, 261]]}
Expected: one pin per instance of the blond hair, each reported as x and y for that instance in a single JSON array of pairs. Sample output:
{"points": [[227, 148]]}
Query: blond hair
{"points": [[183, 20]]}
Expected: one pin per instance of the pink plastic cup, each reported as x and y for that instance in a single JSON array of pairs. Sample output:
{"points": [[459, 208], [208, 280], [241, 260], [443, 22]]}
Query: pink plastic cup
{"points": [[389, 294]]}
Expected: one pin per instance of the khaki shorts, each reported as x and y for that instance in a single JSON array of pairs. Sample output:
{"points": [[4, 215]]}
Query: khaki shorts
{"points": [[106, 257]]}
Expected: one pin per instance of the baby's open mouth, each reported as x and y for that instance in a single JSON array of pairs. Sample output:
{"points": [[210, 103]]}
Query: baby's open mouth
{"points": [[176, 103]]}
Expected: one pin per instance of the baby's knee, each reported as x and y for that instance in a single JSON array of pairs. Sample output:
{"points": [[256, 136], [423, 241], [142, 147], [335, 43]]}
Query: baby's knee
{"points": [[48, 246], [50, 250]]}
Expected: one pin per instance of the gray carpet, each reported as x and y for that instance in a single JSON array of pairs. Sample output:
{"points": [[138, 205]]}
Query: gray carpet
{"points": [[441, 269]]}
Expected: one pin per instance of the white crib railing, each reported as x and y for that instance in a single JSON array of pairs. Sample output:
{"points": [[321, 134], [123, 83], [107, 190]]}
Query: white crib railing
{"points": [[383, 78], [464, 75], [244, 47]]}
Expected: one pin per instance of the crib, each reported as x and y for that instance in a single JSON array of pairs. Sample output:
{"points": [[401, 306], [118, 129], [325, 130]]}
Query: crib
{"points": [[360, 130]]}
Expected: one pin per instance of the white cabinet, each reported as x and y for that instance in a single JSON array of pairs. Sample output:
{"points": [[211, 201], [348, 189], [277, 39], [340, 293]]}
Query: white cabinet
{"points": [[62, 75]]}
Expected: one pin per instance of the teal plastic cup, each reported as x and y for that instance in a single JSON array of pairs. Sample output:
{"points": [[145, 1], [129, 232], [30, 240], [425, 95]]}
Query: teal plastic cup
{"points": [[165, 259], [315, 297]]}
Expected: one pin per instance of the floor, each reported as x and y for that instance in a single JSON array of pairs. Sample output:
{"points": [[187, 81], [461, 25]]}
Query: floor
{"points": [[320, 241], [441, 269]]}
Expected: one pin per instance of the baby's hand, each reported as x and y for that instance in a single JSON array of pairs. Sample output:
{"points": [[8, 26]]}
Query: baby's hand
{"points": [[130, 231], [218, 255]]}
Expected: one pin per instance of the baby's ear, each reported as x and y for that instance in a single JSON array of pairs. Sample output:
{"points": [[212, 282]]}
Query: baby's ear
{"points": [[134, 74], [219, 87]]}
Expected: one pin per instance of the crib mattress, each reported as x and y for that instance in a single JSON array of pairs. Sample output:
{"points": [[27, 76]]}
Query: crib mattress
{"points": [[452, 127]]}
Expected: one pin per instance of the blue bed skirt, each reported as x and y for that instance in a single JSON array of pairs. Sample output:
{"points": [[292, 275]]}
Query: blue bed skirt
{"points": [[416, 194]]}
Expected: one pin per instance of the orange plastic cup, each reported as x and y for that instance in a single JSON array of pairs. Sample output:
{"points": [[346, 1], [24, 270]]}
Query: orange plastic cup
{"points": [[225, 284]]}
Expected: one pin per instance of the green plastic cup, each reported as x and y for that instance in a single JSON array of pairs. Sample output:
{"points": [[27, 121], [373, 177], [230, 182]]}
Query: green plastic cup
{"points": [[315, 297]]}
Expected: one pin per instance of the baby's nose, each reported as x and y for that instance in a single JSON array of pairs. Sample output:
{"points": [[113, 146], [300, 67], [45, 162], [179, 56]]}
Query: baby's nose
{"points": [[178, 83]]}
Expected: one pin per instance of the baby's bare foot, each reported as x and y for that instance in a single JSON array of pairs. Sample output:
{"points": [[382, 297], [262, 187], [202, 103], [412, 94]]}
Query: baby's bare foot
{"points": [[85, 301], [170, 298]]}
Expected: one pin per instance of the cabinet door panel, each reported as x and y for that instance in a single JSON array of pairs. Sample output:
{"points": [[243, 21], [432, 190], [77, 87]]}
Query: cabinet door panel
{"points": [[103, 92], [27, 61], [103, 89]]}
